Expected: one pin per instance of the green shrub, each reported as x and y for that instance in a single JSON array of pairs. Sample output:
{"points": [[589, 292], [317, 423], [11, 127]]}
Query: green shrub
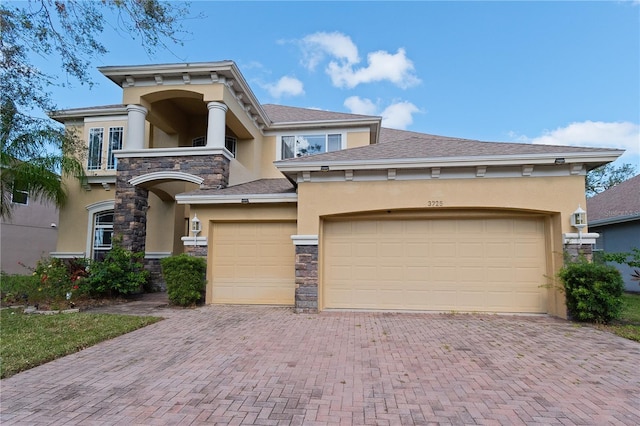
{"points": [[593, 291], [52, 280], [18, 289], [121, 272], [185, 278]]}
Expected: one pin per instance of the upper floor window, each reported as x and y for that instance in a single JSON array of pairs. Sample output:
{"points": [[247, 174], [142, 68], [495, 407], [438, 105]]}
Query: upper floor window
{"points": [[115, 143], [302, 145], [97, 155], [20, 194], [96, 135]]}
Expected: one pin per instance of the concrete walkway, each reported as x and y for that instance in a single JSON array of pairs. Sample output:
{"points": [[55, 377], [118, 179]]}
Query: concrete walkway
{"points": [[268, 366]]}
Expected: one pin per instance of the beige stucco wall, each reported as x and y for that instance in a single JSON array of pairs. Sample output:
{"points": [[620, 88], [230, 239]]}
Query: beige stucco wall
{"points": [[268, 170], [146, 95], [544, 194], [242, 212], [74, 217], [356, 139]]}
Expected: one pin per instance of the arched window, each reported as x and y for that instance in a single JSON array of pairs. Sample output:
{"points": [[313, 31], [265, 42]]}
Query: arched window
{"points": [[102, 234]]}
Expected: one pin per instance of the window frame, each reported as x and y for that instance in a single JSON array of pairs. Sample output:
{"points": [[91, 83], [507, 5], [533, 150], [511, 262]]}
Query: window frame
{"points": [[91, 157], [231, 142], [23, 192], [298, 135], [102, 248], [112, 161]]}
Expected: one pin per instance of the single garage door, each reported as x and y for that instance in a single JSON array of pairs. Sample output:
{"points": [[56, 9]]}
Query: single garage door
{"points": [[486, 265], [253, 263]]}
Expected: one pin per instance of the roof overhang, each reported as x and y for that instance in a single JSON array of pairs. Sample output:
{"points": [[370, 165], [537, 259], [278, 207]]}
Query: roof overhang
{"points": [[81, 113], [589, 159], [236, 198], [225, 72], [613, 220]]}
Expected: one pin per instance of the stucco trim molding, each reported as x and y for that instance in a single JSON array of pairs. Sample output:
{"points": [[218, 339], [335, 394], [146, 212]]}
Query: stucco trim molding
{"points": [[575, 238], [195, 241], [166, 175], [157, 254], [305, 240], [66, 254], [172, 152], [289, 166], [237, 199]]}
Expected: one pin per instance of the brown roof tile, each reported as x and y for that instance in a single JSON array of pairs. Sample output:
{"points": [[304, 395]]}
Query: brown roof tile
{"points": [[401, 144], [261, 186], [620, 201], [287, 114]]}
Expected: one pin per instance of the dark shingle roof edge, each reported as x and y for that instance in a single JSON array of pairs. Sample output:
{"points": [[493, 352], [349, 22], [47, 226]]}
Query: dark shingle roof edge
{"points": [[620, 203], [257, 191]]}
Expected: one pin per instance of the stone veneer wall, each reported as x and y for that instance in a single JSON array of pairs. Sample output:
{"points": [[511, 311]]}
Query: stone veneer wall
{"points": [[131, 202], [156, 280], [306, 279], [197, 251], [574, 251]]}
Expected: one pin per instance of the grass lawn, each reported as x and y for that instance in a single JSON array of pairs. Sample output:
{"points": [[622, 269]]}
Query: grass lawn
{"points": [[28, 340], [629, 324]]}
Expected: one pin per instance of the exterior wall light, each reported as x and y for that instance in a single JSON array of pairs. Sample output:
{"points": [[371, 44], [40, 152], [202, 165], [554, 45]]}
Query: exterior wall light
{"points": [[324, 168], [559, 161], [196, 227], [579, 220]]}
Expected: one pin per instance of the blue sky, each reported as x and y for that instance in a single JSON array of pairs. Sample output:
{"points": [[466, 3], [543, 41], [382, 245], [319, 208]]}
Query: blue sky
{"points": [[563, 73]]}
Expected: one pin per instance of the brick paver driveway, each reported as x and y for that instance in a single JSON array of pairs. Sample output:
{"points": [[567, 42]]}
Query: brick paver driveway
{"points": [[267, 365]]}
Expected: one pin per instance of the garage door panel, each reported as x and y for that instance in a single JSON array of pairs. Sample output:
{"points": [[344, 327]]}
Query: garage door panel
{"points": [[252, 263], [457, 264]]}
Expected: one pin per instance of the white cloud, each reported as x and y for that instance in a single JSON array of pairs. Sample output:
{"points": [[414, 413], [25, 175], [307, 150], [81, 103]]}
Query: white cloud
{"points": [[316, 46], [597, 134], [344, 58], [286, 86], [396, 68], [398, 115], [358, 105]]}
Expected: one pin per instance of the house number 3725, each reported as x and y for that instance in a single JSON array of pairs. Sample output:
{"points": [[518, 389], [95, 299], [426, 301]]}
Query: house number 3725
{"points": [[435, 203]]}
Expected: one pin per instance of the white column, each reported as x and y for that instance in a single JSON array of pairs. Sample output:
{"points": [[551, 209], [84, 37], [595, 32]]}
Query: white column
{"points": [[137, 116], [216, 124]]}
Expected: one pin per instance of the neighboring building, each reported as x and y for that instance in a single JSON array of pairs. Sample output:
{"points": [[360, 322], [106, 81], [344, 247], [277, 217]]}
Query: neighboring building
{"points": [[615, 215], [318, 209], [29, 235]]}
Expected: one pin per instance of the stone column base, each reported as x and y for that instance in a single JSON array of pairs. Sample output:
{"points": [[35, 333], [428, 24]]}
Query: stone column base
{"points": [[306, 279]]}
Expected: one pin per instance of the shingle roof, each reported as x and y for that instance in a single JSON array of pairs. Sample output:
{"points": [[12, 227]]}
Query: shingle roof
{"points": [[622, 200], [287, 114], [256, 187], [401, 144]]}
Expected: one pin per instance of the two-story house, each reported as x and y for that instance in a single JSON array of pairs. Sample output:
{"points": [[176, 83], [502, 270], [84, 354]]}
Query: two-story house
{"points": [[318, 209]]}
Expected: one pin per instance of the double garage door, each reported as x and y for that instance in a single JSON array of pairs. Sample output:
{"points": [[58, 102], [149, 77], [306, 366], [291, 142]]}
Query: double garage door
{"points": [[485, 265]]}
